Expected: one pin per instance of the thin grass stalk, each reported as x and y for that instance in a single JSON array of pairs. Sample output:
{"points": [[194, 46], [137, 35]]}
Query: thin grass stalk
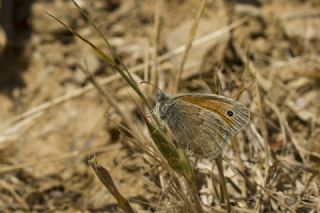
{"points": [[214, 180], [107, 97], [223, 184], [175, 158], [110, 47], [234, 142], [223, 187], [50, 160], [125, 72], [194, 193], [277, 199], [180, 192], [154, 73], [106, 179], [262, 116], [236, 151], [250, 184], [95, 48], [188, 44], [5, 186]]}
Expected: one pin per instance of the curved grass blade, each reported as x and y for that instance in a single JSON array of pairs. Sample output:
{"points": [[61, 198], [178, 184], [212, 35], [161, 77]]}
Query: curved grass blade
{"points": [[122, 68], [106, 179], [177, 159]]}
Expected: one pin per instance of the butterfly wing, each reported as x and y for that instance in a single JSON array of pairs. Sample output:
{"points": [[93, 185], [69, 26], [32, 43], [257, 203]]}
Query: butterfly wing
{"points": [[233, 113], [203, 123]]}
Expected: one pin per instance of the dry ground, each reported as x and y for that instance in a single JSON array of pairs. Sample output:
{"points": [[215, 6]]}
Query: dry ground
{"points": [[51, 118]]}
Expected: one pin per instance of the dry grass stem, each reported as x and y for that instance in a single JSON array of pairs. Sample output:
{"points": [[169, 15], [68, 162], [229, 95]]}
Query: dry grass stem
{"points": [[156, 34], [108, 182], [263, 126], [188, 44], [108, 97]]}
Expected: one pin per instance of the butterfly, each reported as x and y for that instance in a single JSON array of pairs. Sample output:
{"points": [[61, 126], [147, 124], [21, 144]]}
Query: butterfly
{"points": [[202, 123]]}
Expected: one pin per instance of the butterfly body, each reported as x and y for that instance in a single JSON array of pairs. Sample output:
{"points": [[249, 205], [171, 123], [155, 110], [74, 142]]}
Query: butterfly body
{"points": [[202, 123]]}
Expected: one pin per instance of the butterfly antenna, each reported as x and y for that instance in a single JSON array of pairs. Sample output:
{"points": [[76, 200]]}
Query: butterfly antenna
{"points": [[157, 88]]}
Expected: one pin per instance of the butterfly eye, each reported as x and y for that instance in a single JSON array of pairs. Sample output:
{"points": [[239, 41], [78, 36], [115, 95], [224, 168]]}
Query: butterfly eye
{"points": [[230, 113]]}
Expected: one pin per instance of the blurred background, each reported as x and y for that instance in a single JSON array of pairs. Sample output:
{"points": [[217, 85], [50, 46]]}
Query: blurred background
{"points": [[51, 118]]}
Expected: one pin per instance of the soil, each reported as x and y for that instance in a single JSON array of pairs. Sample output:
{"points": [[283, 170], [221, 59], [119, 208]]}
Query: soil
{"points": [[52, 119]]}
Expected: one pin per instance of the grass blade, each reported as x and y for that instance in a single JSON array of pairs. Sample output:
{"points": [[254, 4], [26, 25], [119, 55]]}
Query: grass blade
{"points": [[106, 179]]}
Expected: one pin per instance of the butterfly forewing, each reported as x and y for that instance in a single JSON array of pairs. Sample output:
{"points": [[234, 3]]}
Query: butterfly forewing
{"points": [[234, 114]]}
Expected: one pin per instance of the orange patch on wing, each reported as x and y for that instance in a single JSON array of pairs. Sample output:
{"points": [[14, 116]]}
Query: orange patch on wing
{"points": [[212, 105]]}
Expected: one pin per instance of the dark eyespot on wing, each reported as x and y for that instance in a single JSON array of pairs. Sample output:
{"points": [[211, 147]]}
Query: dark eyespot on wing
{"points": [[230, 113], [203, 123], [213, 105]]}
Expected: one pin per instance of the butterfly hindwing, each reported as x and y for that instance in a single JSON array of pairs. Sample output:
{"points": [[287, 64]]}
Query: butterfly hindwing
{"points": [[196, 129]]}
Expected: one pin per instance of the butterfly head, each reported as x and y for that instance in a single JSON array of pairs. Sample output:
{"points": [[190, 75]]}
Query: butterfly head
{"points": [[161, 97], [162, 104]]}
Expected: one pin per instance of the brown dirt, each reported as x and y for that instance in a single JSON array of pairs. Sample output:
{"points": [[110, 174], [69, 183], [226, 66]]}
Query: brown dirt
{"points": [[43, 157]]}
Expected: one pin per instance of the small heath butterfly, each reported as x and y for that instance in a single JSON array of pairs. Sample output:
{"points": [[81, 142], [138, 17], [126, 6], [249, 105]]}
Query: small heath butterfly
{"points": [[202, 123]]}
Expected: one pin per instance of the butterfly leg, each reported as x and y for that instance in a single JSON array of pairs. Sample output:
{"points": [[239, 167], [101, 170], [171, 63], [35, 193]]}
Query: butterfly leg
{"points": [[154, 111]]}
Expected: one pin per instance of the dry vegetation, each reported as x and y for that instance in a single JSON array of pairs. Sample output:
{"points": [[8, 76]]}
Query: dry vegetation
{"points": [[74, 117]]}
